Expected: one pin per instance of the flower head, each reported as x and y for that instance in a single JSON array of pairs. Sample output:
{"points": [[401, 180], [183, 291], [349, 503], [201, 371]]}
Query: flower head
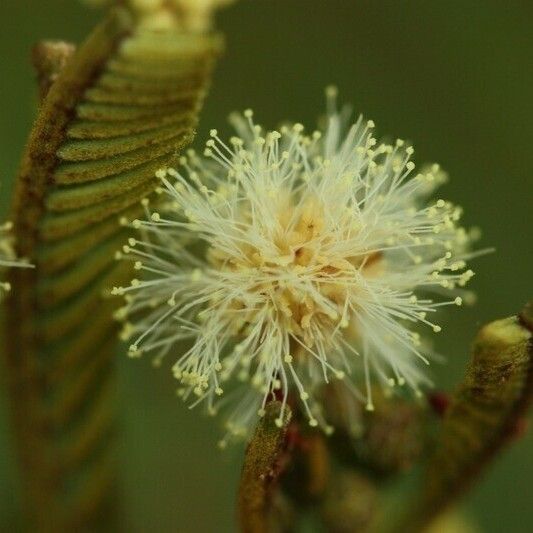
{"points": [[284, 260]]}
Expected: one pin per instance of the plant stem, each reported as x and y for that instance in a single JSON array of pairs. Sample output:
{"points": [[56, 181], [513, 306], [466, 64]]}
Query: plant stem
{"points": [[483, 417], [261, 468]]}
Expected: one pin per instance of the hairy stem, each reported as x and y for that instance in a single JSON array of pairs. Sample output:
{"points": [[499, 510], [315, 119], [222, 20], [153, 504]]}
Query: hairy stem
{"points": [[483, 416], [49, 58], [261, 468]]}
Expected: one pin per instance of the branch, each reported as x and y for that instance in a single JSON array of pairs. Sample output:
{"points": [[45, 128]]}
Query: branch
{"points": [[49, 58], [483, 416], [262, 465]]}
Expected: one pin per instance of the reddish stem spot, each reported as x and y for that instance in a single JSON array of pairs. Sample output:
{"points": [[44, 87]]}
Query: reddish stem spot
{"points": [[520, 429], [439, 402]]}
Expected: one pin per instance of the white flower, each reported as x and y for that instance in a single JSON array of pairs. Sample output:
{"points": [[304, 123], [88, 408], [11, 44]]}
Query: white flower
{"points": [[285, 260]]}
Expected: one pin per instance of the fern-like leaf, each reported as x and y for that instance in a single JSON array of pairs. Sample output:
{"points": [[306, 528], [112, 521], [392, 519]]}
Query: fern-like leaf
{"points": [[121, 108]]}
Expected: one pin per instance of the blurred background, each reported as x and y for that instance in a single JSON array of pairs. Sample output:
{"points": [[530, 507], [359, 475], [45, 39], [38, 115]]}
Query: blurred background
{"points": [[454, 77]]}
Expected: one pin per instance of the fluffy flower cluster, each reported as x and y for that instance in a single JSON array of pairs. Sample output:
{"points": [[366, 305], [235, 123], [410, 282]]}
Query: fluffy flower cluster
{"points": [[284, 260]]}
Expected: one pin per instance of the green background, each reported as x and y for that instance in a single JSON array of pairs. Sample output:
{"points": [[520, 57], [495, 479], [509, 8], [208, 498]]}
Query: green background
{"points": [[455, 77]]}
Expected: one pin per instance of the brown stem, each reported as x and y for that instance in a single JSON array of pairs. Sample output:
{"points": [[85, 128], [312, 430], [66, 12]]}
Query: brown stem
{"points": [[49, 58], [261, 468], [483, 416]]}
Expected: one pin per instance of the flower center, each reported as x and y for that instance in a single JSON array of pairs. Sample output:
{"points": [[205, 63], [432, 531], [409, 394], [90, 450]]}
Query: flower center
{"points": [[296, 270]]}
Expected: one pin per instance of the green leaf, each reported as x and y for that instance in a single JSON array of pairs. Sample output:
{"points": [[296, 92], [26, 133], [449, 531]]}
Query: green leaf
{"points": [[122, 107]]}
